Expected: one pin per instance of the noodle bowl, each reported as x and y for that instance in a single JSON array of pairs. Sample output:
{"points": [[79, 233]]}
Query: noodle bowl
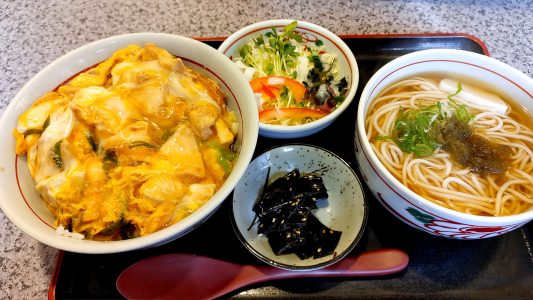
{"points": [[436, 190], [438, 178]]}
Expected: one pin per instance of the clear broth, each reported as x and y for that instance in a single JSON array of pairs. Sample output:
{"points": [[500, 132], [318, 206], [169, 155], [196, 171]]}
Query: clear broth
{"points": [[517, 112]]}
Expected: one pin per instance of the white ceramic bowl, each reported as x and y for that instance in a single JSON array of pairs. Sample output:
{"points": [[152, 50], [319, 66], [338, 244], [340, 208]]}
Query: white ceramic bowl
{"points": [[347, 66], [18, 197], [346, 209], [399, 200]]}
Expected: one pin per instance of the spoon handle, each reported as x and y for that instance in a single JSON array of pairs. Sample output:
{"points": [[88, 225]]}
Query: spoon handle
{"points": [[370, 263]]}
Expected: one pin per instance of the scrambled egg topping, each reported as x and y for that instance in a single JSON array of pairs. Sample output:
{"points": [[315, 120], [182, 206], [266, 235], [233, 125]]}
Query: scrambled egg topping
{"points": [[130, 146]]}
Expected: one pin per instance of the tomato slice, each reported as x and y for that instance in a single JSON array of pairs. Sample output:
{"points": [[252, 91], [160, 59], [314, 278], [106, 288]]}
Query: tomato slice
{"points": [[272, 114], [271, 86]]}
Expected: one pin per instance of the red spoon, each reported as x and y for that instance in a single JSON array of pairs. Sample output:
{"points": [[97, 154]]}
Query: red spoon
{"points": [[173, 276]]}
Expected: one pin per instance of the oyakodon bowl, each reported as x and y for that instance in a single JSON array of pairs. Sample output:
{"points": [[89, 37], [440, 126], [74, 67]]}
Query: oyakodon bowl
{"points": [[345, 210], [403, 203], [311, 33], [19, 199]]}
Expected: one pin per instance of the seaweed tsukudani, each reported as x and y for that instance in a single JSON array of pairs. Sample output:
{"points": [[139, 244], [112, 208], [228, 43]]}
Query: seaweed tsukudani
{"points": [[285, 216]]}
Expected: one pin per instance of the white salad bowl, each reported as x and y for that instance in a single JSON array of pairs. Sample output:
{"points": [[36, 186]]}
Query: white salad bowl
{"points": [[311, 33], [345, 210], [390, 192], [19, 199]]}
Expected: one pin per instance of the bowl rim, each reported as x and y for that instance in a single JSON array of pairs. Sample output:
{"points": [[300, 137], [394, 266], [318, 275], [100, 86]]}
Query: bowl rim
{"points": [[112, 44], [434, 55], [333, 38], [333, 260]]}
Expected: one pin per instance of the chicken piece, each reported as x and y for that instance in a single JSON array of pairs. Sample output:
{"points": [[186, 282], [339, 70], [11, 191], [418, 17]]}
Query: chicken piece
{"points": [[49, 188], [33, 121], [81, 142], [129, 135], [154, 205], [103, 213], [134, 143], [57, 185], [32, 153], [203, 116], [144, 84], [103, 109], [147, 217], [172, 111], [187, 86], [197, 195], [213, 89], [182, 150], [95, 176], [160, 218], [163, 188], [61, 123], [166, 60], [121, 75], [35, 117], [98, 75]]}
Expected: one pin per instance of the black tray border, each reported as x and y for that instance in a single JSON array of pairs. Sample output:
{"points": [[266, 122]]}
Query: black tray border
{"points": [[476, 40]]}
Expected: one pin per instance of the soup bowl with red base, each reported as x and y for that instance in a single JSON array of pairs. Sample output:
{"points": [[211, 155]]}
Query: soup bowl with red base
{"points": [[398, 199]]}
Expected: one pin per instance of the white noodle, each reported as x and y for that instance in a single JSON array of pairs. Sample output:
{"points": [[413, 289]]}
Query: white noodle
{"points": [[436, 177]]}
